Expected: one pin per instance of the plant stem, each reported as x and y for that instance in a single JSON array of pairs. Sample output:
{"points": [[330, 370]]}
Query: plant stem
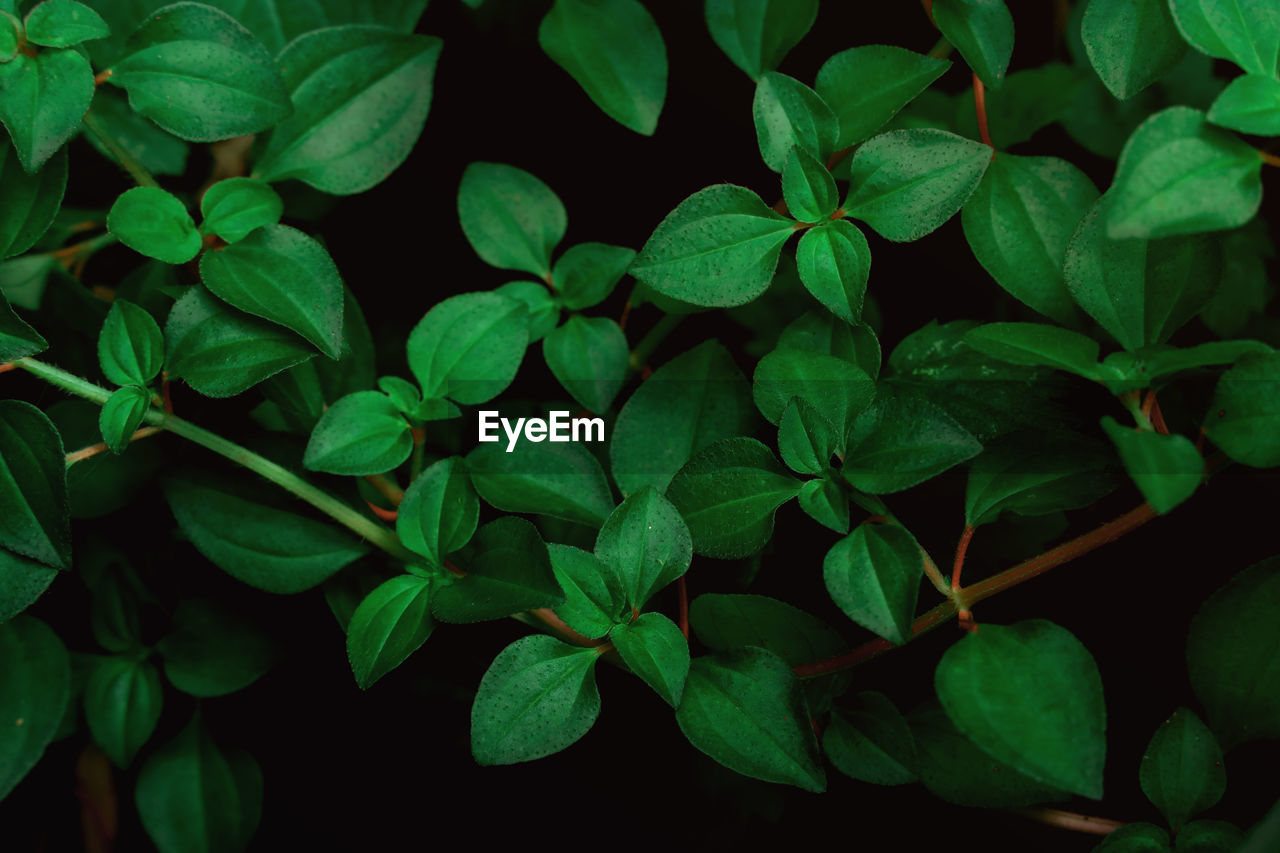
{"points": [[1269, 158], [962, 547], [980, 107], [1070, 820], [655, 336], [136, 170], [101, 447]]}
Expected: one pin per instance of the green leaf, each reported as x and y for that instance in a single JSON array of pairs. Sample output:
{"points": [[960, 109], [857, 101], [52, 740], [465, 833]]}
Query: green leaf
{"points": [[214, 650], [826, 501], [122, 703], [832, 385], [1136, 838], [807, 440], [1037, 344], [835, 263], [695, 399], [1161, 361], [1181, 772], [538, 697], [982, 30], [507, 570], [902, 441], [1166, 468], [1247, 32], [469, 347], [593, 591], [586, 274], [1244, 416], [589, 356], [31, 200], [541, 304], [718, 248], [1251, 104], [1180, 175], [35, 683], [17, 339], [280, 274], [1130, 43], [873, 575], [654, 648], [11, 33], [268, 548], [122, 414], [130, 345], [222, 352], [64, 23], [42, 100], [728, 493], [562, 480], [22, 582], [439, 511], [154, 223], [757, 34], [235, 207], [1232, 656], [1029, 695], [1210, 836], [1029, 101], [906, 183], [873, 743], [745, 709], [866, 86], [194, 796], [360, 99], [362, 433], [1036, 473], [646, 545], [34, 519], [614, 51], [807, 187], [390, 624], [196, 72], [788, 114], [1018, 223], [158, 151], [512, 219]]}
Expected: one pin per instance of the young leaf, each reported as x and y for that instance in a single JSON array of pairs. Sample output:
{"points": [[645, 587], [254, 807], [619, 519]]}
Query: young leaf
{"points": [[718, 248], [541, 304], [901, 441], [122, 703], [1130, 43], [1244, 416], [589, 356], [906, 183], [654, 648], [866, 86], [1166, 468], [42, 101], [122, 414], [757, 34], [745, 709], [594, 599], [362, 433], [788, 114], [507, 570], [1251, 104], [196, 72], [390, 624], [873, 575], [806, 439], [439, 511], [982, 30], [236, 207], [807, 187], [646, 544], [34, 520], [586, 274], [728, 494], [834, 262], [154, 223], [873, 743], [826, 501], [130, 345], [512, 219], [538, 697], [1036, 344], [469, 347], [31, 201], [1029, 695], [562, 480], [64, 23], [1181, 772], [1247, 32], [214, 650], [1036, 473], [832, 385], [35, 683]]}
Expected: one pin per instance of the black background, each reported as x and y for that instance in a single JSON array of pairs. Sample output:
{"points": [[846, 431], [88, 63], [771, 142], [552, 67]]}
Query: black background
{"points": [[391, 768]]}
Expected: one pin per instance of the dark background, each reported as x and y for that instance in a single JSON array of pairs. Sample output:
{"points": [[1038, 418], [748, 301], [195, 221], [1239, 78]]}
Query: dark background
{"points": [[391, 768]]}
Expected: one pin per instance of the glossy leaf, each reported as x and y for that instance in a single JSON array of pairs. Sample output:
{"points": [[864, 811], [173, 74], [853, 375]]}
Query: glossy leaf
{"points": [[1247, 32], [867, 86], [512, 219], [122, 414], [982, 30], [390, 624], [63, 23], [34, 518], [1181, 772], [562, 480], [122, 703], [469, 347], [873, 575], [214, 650], [1130, 43], [788, 114], [757, 34], [901, 441], [835, 263], [507, 570], [1244, 415], [234, 208], [439, 511], [362, 433], [35, 682], [807, 440], [130, 345], [646, 544], [590, 357], [807, 187], [594, 599], [42, 101], [654, 648], [31, 201], [1166, 468]]}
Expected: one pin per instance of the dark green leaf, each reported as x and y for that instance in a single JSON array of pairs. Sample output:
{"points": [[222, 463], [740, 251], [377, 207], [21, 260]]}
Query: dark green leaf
{"points": [[589, 356], [157, 150], [1247, 32], [1244, 416], [820, 332], [586, 274], [1028, 101], [1036, 473], [562, 480], [866, 86], [544, 310], [826, 501], [362, 433], [1181, 772], [1036, 344], [63, 23], [982, 30], [35, 679], [42, 100], [873, 743], [22, 582], [1166, 468], [122, 414], [832, 385], [34, 519], [1210, 836], [834, 263], [130, 345], [439, 511], [901, 441], [512, 219], [873, 575], [234, 208], [122, 703], [1131, 43], [507, 570], [646, 544], [723, 623], [593, 591], [654, 648], [1251, 104], [390, 624], [807, 440], [17, 339], [788, 114], [1161, 361], [31, 201], [757, 34], [1136, 838], [214, 650], [469, 347], [807, 187]]}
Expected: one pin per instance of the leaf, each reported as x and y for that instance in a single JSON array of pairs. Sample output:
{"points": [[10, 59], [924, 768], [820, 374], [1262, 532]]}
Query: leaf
{"points": [[586, 274], [1181, 772], [268, 548], [745, 709], [646, 544], [826, 501], [695, 399], [593, 591], [1180, 175], [507, 571], [17, 339], [614, 50], [391, 623], [1232, 656], [654, 648], [122, 414], [469, 347], [718, 248], [1029, 695], [221, 352], [806, 439], [439, 511], [982, 30], [1136, 838], [873, 743], [280, 274], [22, 582], [214, 650], [728, 494], [1251, 104], [1027, 102], [907, 183], [42, 100], [122, 703], [1247, 32], [902, 441], [64, 23], [589, 356], [1162, 361], [192, 795], [360, 99], [235, 207], [31, 200], [562, 480], [35, 679], [1130, 43], [130, 345], [34, 519], [1210, 836], [1035, 473], [757, 34], [835, 263], [362, 433], [807, 187], [832, 385], [787, 115], [539, 302], [196, 72], [512, 219], [1244, 415], [1166, 468], [873, 575], [1037, 344], [1018, 223], [157, 150], [866, 86]]}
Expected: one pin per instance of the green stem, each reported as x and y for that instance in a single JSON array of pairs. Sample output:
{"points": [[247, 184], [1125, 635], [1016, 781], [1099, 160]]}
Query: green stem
{"points": [[655, 336], [136, 170], [281, 476]]}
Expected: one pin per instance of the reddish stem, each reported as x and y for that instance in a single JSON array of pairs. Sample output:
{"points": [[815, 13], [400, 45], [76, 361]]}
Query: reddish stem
{"points": [[548, 617], [165, 396], [961, 548], [626, 315], [389, 515], [7, 366], [980, 106], [1070, 820], [834, 159]]}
